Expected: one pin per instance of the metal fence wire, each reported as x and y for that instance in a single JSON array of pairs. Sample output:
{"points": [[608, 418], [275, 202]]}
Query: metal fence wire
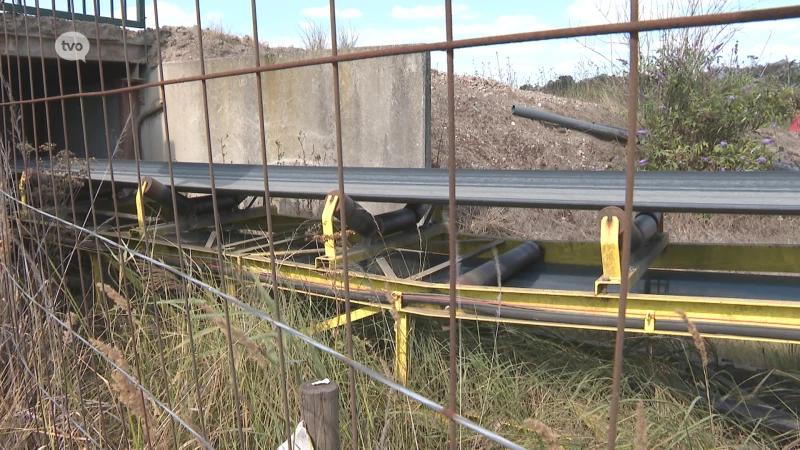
{"points": [[143, 299]]}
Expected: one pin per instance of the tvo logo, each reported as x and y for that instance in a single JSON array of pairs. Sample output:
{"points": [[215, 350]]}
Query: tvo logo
{"points": [[72, 46]]}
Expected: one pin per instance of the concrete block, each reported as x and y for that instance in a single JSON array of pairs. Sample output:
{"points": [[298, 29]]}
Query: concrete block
{"points": [[385, 110]]}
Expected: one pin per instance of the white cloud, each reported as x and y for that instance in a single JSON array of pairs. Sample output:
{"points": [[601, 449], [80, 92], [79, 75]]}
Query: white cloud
{"points": [[324, 12], [429, 12]]}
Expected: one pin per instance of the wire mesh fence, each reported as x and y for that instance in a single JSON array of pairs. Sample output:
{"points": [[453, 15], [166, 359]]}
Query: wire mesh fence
{"points": [[141, 310]]}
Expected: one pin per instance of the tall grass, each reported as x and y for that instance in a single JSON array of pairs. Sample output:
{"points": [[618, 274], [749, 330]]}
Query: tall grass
{"points": [[539, 392]]}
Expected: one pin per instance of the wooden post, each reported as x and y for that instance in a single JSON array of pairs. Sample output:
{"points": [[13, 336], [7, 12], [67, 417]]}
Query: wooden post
{"points": [[319, 409]]}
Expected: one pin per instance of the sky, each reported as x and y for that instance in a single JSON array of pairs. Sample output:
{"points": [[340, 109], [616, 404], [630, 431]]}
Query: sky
{"points": [[381, 22]]}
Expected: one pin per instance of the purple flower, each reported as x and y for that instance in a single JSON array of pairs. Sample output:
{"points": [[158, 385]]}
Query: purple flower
{"points": [[641, 132], [761, 160], [722, 169], [767, 141], [731, 97], [642, 162], [774, 124], [717, 48], [723, 144], [663, 107]]}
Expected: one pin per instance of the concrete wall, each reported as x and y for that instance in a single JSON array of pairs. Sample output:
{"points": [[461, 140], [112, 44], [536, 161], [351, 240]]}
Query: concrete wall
{"points": [[385, 107]]}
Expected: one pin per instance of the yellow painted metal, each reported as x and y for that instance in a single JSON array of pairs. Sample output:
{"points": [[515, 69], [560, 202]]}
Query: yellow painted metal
{"points": [[331, 202], [609, 251], [23, 197], [341, 319], [140, 213], [441, 314], [650, 322], [400, 338]]}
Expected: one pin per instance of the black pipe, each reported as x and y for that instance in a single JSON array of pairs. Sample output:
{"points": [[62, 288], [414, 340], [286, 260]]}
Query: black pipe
{"points": [[509, 264], [604, 132], [205, 204]]}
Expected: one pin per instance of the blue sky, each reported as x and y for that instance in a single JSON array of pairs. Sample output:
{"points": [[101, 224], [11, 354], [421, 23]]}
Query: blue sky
{"points": [[409, 21]]}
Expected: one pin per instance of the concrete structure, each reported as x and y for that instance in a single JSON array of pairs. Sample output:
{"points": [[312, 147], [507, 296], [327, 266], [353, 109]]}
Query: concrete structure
{"points": [[385, 108]]}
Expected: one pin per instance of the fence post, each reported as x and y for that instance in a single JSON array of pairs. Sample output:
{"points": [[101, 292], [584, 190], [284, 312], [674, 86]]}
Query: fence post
{"points": [[319, 408]]}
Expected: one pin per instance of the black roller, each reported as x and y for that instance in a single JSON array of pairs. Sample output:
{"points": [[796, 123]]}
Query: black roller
{"points": [[645, 226], [419, 209], [205, 204], [509, 264], [358, 219], [394, 221], [162, 195]]}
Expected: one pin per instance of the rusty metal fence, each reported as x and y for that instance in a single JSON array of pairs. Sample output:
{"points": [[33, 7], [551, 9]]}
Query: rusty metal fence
{"points": [[35, 300]]}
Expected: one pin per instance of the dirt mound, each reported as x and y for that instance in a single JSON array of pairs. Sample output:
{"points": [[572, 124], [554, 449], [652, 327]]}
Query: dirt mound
{"points": [[180, 43], [489, 137]]}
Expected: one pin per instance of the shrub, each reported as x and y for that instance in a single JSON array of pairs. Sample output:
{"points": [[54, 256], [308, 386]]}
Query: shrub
{"points": [[698, 114]]}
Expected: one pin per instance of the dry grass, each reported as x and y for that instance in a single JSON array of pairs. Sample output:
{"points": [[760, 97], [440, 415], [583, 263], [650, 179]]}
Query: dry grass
{"points": [[549, 436]]}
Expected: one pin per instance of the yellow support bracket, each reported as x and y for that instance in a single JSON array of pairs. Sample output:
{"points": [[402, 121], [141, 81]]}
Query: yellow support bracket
{"points": [[140, 205], [650, 322], [328, 212], [401, 338], [336, 322], [23, 197], [610, 253]]}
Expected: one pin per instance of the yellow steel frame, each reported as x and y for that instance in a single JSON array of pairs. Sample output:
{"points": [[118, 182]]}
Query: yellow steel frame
{"points": [[651, 308], [341, 319]]}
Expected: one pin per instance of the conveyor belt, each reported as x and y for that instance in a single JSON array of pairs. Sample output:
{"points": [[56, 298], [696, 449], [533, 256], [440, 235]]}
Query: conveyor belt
{"points": [[710, 192]]}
